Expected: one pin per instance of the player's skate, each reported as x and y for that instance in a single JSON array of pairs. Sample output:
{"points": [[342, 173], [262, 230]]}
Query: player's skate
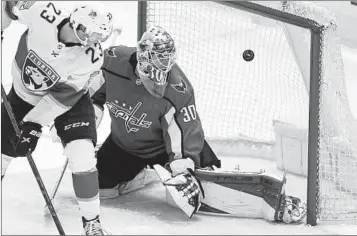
{"points": [[92, 227], [146, 176]]}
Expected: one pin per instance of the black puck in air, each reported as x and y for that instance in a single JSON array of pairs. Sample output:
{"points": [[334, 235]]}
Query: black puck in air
{"points": [[248, 55]]}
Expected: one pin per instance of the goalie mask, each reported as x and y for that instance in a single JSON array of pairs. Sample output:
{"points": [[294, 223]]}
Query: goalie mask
{"points": [[156, 54], [96, 24]]}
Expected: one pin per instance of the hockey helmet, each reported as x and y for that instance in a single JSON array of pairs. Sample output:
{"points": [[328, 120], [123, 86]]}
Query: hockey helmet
{"points": [[94, 21], [156, 54]]}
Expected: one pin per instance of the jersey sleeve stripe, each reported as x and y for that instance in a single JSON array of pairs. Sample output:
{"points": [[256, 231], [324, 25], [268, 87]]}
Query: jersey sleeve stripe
{"points": [[52, 108], [174, 133], [22, 50], [57, 102], [97, 83], [8, 9], [65, 95]]}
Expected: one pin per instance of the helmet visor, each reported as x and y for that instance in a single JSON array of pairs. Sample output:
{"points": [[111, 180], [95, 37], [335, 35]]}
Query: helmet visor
{"points": [[156, 65], [162, 61]]}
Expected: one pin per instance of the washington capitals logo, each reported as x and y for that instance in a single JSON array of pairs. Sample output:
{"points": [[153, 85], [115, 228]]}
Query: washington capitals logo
{"points": [[127, 113], [180, 87]]}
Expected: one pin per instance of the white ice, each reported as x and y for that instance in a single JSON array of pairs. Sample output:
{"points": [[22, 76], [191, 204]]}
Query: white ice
{"points": [[144, 211]]}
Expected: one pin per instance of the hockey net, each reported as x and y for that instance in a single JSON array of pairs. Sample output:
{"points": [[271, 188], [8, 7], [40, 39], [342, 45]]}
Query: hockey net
{"points": [[238, 101]]}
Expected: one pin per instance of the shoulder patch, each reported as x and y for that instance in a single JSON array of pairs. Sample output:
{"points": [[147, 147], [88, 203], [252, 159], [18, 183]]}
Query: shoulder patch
{"points": [[25, 5], [37, 75], [180, 87], [111, 52]]}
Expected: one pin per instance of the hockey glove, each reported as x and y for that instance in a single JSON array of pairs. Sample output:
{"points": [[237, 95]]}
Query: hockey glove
{"points": [[27, 141], [185, 182]]}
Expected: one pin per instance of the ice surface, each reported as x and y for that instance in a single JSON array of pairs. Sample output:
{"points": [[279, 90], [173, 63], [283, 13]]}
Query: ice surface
{"points": [[140, 212], [144, 211]]}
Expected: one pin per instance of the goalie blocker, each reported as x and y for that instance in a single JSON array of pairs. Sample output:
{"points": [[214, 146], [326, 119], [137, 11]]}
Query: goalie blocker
{"points": [[246, 194]]}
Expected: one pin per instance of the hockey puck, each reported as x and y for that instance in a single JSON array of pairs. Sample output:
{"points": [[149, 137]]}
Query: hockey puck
{"points": [[248, 55]]}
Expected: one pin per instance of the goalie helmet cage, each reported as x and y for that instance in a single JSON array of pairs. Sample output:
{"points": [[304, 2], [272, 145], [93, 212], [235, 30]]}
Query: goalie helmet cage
{"points": [[208, 34]]}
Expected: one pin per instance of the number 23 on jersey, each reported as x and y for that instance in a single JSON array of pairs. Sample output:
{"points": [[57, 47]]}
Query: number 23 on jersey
{"points": [[50, 13]]}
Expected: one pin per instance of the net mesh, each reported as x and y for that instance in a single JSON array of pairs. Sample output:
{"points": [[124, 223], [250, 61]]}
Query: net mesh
{"points": [[238, 100]]}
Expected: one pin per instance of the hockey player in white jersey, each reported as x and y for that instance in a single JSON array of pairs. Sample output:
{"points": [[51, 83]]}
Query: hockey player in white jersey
{"points": [[56, 59], [154, 122]]}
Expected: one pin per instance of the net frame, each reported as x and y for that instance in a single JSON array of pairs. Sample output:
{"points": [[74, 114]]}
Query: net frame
{"points": [[316, 32]]}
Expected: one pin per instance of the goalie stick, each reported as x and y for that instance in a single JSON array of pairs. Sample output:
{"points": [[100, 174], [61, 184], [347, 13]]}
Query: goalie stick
{"points": [[32, 164]]}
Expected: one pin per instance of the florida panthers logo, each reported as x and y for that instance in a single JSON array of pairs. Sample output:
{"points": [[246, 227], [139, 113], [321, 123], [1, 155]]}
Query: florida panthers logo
{"points": [[37, 75]]}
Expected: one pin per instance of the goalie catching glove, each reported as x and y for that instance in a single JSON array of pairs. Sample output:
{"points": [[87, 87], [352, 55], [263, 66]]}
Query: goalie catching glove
{"points": [[185, 181], [182, 184]]}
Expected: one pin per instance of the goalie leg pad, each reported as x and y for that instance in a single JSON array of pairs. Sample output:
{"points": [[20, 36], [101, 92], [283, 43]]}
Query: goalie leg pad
{"points": [[254, 195], [258, 184], [145, 177]]}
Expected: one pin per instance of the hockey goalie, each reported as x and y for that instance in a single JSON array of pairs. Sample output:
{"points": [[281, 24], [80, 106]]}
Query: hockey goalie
{"points": [[154, 123]]}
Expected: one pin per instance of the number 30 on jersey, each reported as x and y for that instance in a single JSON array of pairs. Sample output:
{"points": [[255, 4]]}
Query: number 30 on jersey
{"points": [[189, 113]]}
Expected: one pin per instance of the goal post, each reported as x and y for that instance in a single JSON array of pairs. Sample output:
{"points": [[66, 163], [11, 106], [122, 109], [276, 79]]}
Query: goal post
{"points": [[238, 101]]}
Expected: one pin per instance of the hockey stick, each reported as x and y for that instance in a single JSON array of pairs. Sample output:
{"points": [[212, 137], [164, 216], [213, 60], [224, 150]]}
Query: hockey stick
{"points": [[57, 184], [32, 164]]}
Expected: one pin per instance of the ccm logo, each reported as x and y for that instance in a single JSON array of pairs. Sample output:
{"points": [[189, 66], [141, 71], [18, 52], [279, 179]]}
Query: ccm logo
{"points": [[35, 133], [77, 124]]}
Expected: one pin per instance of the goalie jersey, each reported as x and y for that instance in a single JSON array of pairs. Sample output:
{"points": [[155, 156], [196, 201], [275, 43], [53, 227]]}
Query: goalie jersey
{"points": [[142, 124], [47, 73]]}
